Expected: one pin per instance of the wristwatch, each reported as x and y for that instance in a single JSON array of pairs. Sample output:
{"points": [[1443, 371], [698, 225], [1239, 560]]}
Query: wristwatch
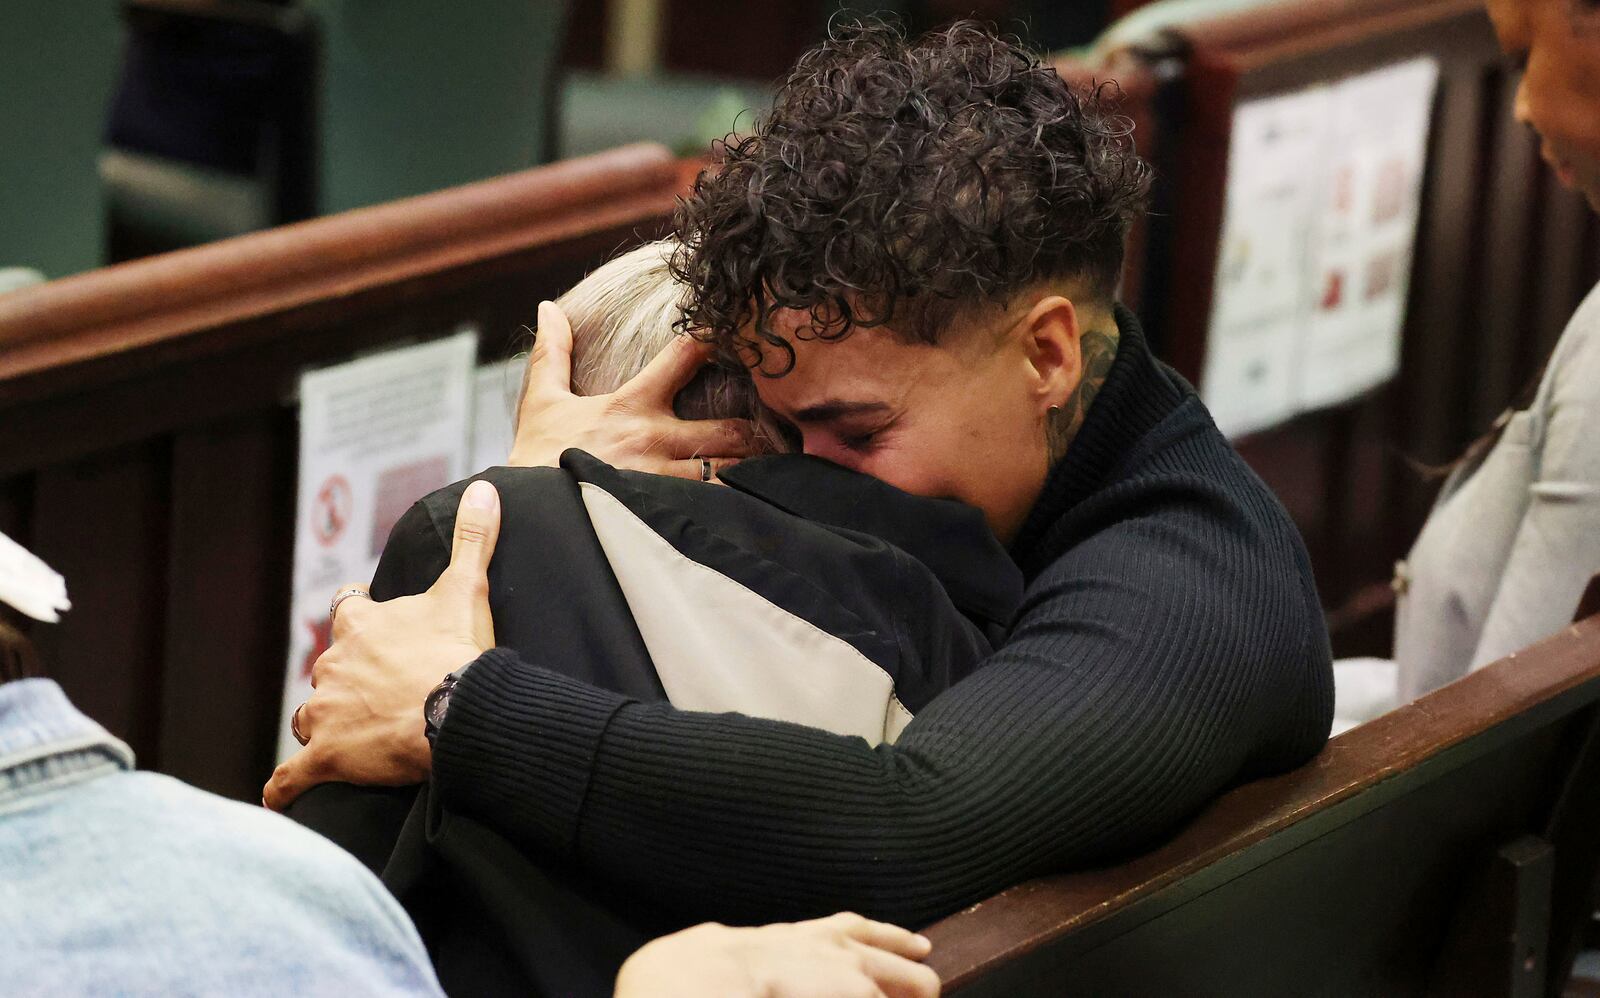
{"points": [[437, 705]]}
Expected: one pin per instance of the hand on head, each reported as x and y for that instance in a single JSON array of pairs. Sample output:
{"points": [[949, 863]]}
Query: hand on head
{"points": [[844, 954], [363, 723], [633, 427]]}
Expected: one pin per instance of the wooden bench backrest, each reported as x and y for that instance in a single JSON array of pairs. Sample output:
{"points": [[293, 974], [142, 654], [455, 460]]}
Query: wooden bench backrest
{"points": [[1503, 257], [148, 434], [1401, 861]]}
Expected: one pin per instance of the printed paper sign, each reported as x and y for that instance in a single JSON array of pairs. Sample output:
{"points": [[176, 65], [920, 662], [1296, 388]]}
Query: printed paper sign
{"points": [[1258, 305], [496, 390], [1323, 197], [376, 435], [1365, 232]]}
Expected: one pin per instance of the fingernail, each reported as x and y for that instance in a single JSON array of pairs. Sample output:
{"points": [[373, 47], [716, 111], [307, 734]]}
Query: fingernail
{"points": [[925, 940], [481, 495]]}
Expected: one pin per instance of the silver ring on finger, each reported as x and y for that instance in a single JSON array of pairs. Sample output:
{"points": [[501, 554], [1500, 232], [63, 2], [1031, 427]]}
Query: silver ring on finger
{"points": [[294, 725], [705, 469], [343, 595]]}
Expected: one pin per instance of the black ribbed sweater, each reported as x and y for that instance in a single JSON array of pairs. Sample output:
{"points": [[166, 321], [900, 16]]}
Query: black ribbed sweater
{"points": [[1170, 645]]}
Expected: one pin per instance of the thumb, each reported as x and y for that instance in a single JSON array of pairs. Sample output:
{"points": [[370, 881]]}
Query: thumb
{"points": [[477, 530], [550, 365], [464, 586]]}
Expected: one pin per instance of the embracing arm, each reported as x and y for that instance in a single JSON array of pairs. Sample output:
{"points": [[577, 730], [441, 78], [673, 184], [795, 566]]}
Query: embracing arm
{"points": [[1117, 709]]}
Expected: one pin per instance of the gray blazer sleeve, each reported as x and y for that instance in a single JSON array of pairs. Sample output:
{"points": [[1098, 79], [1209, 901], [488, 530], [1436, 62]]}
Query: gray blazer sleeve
{"points": [[1557, 546]]}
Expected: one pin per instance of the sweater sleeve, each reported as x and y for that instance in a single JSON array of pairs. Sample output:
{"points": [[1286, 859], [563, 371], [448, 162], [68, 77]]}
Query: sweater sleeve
{"points": [[1557, 545], [1124, 700]]}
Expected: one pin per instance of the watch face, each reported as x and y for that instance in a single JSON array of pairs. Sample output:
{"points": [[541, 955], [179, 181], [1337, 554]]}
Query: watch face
{"points": [[438, 702]]}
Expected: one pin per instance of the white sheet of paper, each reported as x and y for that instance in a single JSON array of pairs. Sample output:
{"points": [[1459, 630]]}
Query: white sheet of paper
{"points": [[1258, 301], [376, 435], [1366, 232], [1323, 197], [494, 409]]}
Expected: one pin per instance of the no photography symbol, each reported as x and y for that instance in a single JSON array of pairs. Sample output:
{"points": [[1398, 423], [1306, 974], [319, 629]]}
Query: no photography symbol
{"points": [[330, 511]]}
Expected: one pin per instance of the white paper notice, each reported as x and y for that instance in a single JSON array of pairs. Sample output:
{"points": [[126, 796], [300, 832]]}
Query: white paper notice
{"points": [[494, 408], [376, 435], [1323, 196], [1258, 305], [1365, 232]]}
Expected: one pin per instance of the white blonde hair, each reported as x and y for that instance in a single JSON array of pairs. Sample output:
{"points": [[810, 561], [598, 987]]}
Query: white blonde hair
{"points": [[623, 314]]}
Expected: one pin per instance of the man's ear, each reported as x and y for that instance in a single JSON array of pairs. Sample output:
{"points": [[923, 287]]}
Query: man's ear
{"points": [[1050, 333]]}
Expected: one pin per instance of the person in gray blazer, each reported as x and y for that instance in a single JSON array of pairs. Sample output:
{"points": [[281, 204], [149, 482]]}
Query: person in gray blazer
{"points": [[1515, 534]]}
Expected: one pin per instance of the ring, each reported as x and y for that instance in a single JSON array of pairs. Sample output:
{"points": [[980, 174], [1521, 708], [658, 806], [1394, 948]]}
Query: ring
{"points": [[294, 725], [705, 469], [343, 595]]}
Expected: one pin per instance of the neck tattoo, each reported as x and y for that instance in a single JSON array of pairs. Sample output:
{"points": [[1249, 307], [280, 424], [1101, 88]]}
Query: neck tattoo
{"points": [[1098, 347]]}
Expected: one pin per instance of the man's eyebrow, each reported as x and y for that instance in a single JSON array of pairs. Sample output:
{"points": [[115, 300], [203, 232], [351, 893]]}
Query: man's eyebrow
{"points": [[825, 412]]}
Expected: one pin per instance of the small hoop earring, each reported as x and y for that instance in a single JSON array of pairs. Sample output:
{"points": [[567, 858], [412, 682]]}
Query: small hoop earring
{"points": [[1053, 410]]}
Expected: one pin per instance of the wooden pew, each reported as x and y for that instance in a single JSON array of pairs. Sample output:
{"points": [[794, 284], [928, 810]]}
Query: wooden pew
{"points": [[148, 434], [1503, 257], [1447, 848]]}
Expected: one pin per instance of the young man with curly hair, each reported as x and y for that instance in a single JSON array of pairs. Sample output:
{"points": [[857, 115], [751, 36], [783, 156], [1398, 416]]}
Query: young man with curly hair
{"points": [[916, 250]]}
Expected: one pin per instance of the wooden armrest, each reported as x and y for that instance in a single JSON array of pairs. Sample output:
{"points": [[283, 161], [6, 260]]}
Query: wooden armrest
{"points": [[1377, 761], [70, 333]]}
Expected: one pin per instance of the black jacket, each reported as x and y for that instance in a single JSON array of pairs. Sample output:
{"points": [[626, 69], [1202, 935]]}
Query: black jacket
{"points": [[804, 592], [845, 603]]}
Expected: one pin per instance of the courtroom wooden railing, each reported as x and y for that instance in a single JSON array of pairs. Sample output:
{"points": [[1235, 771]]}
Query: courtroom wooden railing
{"points": [[1503, 257], [148, 434], [1454, 840]]}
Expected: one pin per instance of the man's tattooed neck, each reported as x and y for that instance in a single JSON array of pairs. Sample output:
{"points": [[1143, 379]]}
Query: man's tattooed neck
{"points": [[1098, 347]]}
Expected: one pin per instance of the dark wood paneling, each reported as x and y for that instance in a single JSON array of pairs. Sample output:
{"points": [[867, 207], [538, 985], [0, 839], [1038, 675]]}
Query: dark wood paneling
{"points": [[585, 44], [736, 38], [1503, 317], [233, 500], [102, 523], [1426, 418], [1592, 256], [1362, 508], [1564, 224], [16, 507], [16, 502]]}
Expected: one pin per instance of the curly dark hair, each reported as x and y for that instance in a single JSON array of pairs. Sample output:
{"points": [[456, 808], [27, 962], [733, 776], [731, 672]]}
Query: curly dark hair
{"points": [[898, 182]]}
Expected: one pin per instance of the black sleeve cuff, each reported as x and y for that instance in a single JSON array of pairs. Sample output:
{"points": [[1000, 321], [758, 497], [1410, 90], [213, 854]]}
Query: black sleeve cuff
{"points": [[519, 747]]}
